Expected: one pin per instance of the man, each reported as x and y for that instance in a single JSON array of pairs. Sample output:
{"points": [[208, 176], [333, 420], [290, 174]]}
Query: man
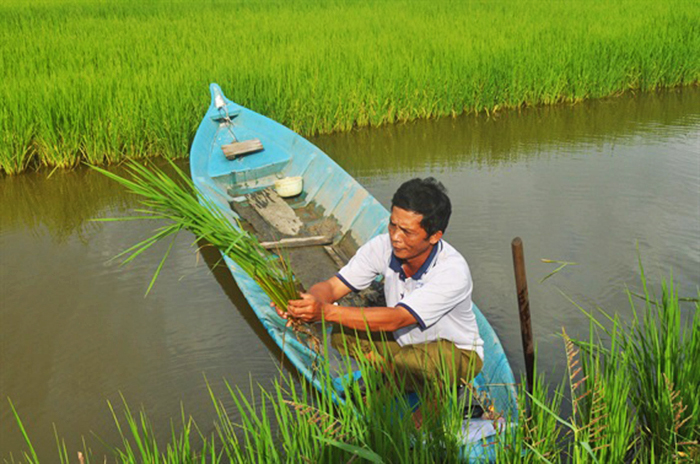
{"points": [[428, 321]]}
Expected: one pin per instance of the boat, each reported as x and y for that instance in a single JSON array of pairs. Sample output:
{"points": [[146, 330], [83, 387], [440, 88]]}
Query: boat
{"points": [[236, 159]]}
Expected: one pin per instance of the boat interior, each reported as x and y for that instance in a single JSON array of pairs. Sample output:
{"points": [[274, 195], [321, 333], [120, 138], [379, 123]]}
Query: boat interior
{"points": [[301, 232], [319, 228]]}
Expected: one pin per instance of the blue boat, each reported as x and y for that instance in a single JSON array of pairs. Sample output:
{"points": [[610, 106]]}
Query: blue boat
{"points": [[236, 158]]}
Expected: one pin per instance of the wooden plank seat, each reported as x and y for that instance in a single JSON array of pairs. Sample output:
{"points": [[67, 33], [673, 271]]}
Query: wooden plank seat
{"points": [[235, 149], [298, 242], [276, 212]]}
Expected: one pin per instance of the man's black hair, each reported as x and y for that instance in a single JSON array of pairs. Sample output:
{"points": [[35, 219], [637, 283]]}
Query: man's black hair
{"points": [[427, 197]]}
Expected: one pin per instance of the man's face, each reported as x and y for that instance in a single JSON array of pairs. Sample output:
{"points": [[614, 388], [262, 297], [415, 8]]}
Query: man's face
{"points": [[408, 239]]}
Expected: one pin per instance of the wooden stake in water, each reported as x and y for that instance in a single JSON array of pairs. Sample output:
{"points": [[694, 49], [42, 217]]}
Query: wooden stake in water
{"points": [[524, 309]]}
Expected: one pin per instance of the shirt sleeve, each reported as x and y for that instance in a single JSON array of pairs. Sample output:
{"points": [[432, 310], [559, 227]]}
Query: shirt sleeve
{"points": [[445, 290], [370, 261]]}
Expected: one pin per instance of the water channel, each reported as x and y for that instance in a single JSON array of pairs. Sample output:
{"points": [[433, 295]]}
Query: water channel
{"points": [[597, 183]]}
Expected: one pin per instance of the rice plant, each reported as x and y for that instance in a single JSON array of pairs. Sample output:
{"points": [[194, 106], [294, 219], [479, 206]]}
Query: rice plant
{"points": [[655, 358], [187, 445], [634, 387], [633, 390], [539, 436], [73, 93], [138, 444], [297, 423], [176, 201]]}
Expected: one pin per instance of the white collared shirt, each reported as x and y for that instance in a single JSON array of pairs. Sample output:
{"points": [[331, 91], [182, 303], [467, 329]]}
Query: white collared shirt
{"points": [[438, 295]]}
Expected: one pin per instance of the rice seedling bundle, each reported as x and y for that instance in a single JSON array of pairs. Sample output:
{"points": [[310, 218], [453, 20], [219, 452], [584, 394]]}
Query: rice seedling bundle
{"points": [[102, 81], [177, 202]]}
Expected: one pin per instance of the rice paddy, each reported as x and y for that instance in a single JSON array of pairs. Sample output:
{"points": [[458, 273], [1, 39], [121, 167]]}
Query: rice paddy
{"points": [[98, 82]]}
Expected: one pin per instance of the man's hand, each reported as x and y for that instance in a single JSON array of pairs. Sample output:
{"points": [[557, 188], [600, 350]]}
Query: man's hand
{"points": [[308, 309], [378, 319], [282, 314]]}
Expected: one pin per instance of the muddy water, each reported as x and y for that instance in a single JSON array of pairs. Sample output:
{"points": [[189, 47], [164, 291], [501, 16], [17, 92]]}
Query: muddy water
{"points": [[594, 184]]}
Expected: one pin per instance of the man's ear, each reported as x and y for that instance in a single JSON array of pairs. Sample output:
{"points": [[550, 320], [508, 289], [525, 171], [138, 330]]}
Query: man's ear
{"points": [[433, 239]]}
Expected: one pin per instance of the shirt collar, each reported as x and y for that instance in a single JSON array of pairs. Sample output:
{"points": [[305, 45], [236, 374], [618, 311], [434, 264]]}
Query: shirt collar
{"points": [[395, 264]]}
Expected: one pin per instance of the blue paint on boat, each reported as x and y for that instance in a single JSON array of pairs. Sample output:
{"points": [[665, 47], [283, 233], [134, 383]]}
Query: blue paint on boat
{"points": [[359, 214]]}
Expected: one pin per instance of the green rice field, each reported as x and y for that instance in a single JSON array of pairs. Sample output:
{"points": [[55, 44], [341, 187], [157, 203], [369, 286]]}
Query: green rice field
{"points": [[98, 81]]}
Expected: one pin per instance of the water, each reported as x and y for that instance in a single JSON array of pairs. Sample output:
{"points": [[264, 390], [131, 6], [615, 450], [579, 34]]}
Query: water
{"points": [[597, 184]]}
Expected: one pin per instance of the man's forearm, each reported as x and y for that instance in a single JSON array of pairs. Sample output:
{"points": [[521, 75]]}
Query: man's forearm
{"points": [[323, 291], [376, 319]]}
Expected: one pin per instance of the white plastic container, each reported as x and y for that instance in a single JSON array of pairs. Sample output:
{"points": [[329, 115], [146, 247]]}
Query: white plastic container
{"points": [[289, 186]]}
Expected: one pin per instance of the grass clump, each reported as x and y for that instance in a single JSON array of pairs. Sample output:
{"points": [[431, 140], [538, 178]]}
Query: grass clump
{"points": [[72, 92], [375, 427], [652, 361], [634, 387]]}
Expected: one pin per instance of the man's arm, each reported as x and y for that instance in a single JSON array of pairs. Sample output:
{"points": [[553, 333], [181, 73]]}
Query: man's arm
{"points": [[329, 291], [377, 319], [311, 309], [318, 304]]}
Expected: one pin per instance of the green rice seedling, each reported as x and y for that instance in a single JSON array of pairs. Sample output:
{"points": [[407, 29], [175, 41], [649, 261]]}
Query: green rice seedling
{"points": [[538, 435], [177, 202], [29, 456], [650, 365], [664, 355], [61, 446], [605, 427], [139, 444], [596, 433], [297, 423], [294, 422], [624, 406], [391, 426]]}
